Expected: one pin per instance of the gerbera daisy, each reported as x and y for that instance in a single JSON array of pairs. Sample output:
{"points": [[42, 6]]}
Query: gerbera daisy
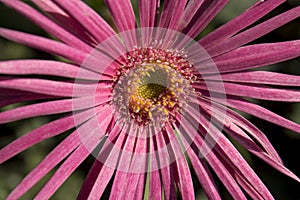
{"points": [[147, 99]]}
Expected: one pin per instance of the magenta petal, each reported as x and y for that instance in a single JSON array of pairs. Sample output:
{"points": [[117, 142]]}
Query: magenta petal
{"points": [[258, 92], [53, 158], [263, 113], [45, 67], [166, 172], [44, 44], [253, 56], [48, 25], [101, 173], [4, 101], [171, 13], [221, 171], [196, 26], [181, 173], [89, 142], [204, 176], [233, 158], [55, 88], [147, 12], [189, 12], [259, 77], [42, 133], [51, 107], [255, 32], [88, 18], [122, 13], [65, 170], [251, 15], [64, 20]]}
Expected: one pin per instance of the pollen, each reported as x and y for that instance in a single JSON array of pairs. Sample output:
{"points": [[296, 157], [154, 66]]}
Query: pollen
{"points": [[151, 91]]}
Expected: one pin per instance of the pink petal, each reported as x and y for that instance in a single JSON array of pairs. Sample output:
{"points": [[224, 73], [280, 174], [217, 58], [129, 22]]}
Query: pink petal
{"points": [[60, 152], [90, 142], [262, 113], [259, 77], [251, 146], [257, 55], [251, 15], [190, 10], [204, 176], [255, 32], [47, 25], [51, 107], [197, 25], [45, 67], [171, 13], [147, 12], [48, 87], [182, 174], [122, 13], [126, 181], [64, 20], [233, 158], [44, 132], [240, 121], [155, 189], [166, 172], [101, 173], [4, 101], [45, 44], [265, 93], [88, 18]]}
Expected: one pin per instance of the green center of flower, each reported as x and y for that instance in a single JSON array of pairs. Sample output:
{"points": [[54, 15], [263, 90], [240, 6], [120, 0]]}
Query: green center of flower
{"points": [[152, 84], [151, 90]]}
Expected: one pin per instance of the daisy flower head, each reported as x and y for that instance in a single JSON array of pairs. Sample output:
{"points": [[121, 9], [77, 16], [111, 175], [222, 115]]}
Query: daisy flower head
{"points": [[147, 98]]}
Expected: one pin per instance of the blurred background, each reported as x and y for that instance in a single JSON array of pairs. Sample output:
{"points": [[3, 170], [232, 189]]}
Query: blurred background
{"points": [[287, 143]]}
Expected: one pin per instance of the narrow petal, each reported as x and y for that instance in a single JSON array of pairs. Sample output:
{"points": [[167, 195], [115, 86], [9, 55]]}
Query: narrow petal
{"points": [[60, 152], [51, 107], [147, 12], [204, 176], [56, 88], [4, 101], [262, 113], [257, 55], [182, 174], [240, 121], [171, 13], [166, 172], [101, 172], [44, 132], [219, 168], [255, 32], [47, 25], [232, 158], [122, 13], [257, 92], [45, 67], [93, 136], [242, 138], [199, 23], [57, 15], [88, 18], [64, 171], [45, 44], [251, 15], [190, 10], [259, 77]]}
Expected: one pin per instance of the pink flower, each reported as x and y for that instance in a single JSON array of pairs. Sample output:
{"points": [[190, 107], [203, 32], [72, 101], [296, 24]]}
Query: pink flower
{"points": [[152, 100]]}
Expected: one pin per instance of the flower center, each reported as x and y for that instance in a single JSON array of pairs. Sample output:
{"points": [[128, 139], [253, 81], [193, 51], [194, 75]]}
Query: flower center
{"points": [[152, 89]]}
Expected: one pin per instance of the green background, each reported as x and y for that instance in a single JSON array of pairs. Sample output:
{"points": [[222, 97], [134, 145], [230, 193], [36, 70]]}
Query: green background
{"points": [[286, 142]]}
